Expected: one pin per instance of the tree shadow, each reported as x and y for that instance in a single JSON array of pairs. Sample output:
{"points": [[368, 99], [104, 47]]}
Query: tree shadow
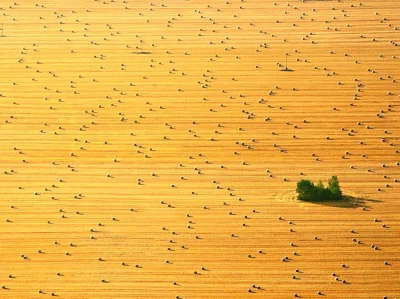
{"points": [[347, 202]]}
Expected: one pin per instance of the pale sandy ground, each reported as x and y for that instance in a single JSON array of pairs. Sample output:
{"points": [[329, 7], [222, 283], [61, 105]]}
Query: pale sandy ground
{"points": [[47, 112]]}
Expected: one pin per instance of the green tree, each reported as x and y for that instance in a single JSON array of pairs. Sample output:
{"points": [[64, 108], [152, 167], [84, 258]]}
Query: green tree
{"points": [[309, 192], [320, 193], [334, 188], [305, 189], [320, 185]]}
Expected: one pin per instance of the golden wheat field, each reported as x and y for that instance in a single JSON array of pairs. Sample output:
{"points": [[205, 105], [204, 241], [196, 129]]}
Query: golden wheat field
{"points": [[151, 149]]}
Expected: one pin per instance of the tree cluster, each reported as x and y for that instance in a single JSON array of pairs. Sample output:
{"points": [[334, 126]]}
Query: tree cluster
{"points": [[307, 191]]}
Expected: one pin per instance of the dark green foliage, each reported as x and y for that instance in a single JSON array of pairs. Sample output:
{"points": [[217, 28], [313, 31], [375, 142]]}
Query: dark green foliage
{"points": [[305, 188], [334, 188], [309, 192]]}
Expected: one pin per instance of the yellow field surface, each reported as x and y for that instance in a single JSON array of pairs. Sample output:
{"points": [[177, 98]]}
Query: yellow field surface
{"points": [[151, 149]]}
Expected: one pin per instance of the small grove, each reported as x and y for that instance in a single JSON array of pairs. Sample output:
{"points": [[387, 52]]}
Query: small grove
{"points": [[308, 191]]}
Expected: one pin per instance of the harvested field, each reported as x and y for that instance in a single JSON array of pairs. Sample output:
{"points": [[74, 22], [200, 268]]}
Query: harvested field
{"points": [[151, 149]]}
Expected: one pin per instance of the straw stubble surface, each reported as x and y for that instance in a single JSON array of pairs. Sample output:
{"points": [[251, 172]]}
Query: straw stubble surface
{"points": [[172, 125]]}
